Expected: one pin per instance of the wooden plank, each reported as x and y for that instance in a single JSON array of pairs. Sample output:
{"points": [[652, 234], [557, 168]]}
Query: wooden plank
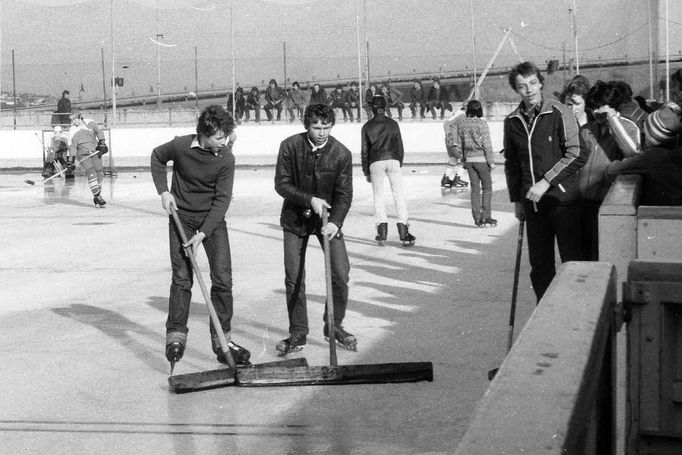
{"points": [[655, 271], [337, 375], [223, 377], [660, 212], [649, 393]]}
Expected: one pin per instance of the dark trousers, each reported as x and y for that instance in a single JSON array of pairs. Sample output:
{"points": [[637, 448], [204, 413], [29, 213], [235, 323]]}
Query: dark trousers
{"points": [[413, 109], [398, 105], [294, 279], [481, 189], [256, 111], [590, 229], [269, 107], [443, 106], [217, 247], [544, 227]]}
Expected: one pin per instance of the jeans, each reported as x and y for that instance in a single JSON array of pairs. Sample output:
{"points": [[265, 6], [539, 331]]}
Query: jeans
{"points": [[391, 169], [217, 247], [294, 279], [481, 189], [561, 223]]}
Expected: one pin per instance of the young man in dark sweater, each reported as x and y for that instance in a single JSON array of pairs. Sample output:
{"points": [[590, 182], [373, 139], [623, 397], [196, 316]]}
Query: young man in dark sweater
{"points": [[201, 190]]}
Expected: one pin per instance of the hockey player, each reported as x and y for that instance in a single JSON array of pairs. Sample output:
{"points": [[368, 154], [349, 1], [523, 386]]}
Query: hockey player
{"points": [[452, 174], [59, 145], [87, 145], [201, 192]]}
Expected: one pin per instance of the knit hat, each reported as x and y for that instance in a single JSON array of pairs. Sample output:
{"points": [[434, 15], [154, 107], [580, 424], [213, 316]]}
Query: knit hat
{"points": [[662, 126]]}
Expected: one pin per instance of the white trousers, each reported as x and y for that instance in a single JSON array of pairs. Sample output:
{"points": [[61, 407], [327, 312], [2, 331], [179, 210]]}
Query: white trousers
{"points": [[391, 169]]}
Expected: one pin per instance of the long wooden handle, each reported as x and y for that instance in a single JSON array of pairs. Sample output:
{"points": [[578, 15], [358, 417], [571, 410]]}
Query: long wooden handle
{"points": [[330, 295], [211, 309]]}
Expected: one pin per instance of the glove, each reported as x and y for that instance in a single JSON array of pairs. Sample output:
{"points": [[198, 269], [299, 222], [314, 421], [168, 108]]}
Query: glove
{"points": [[102, 148], [71, 163]]}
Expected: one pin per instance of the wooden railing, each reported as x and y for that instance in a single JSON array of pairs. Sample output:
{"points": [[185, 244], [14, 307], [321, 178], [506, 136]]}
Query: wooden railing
{"points": [[555, 391]]}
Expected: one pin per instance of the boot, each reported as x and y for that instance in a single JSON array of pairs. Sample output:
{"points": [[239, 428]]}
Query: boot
{"points": [[99, 201], [445, 182], [405, 236], [382, 232]]}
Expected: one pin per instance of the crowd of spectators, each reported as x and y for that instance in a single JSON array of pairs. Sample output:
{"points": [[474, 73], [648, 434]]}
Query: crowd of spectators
{"points": [[345, 100]]}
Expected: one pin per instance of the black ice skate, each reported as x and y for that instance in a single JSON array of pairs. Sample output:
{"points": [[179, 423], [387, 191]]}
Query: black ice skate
{"points": [[382, 232], [294, 343], [479, 222], [445, 182], [343, 338], [240, 354], [99, 201], [489, 222], [459, 183], [404, 234]]}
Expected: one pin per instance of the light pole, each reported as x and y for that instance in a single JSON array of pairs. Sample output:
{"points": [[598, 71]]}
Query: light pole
{"points": [[158, 60]]}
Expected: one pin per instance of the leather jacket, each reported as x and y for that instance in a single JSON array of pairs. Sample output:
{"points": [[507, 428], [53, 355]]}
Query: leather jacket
{"points": [[381, 140], [301, 174]]}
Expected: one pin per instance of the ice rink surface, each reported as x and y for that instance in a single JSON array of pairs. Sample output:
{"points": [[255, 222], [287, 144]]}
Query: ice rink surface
{"points": [[84, 300]]}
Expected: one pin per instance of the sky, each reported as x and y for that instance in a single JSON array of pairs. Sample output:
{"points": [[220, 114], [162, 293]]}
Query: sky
{"points": [[64, 44]]}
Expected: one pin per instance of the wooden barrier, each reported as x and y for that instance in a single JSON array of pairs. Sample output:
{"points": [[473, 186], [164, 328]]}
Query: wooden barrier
{"points": [[653, 299], [554, 392]]}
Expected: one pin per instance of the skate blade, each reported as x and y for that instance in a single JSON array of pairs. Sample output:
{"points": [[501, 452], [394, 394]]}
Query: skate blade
{"points": [[286, 352], [408, 244]]}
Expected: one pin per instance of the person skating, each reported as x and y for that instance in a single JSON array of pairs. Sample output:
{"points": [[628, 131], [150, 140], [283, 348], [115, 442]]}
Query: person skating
{"points": [[86, 146], [314, 171], [382, 156], [201, 191]]}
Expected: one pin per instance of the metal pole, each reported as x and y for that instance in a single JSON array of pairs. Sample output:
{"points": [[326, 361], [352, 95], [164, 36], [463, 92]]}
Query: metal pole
{"points": [[357, 33], [158, 60], [667, 52], [284, 54], [575, 40], [651, 54], [104, 87], [232, 51], [196, 81], [14, 90], [473, 47], [364, 20], [113, 71]]}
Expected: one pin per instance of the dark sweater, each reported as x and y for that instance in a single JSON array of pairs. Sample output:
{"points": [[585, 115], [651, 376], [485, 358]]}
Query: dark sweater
{"points": [[202, 181]]}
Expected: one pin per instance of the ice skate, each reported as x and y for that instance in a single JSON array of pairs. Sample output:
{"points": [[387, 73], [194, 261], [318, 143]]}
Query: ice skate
{"points": [[404, 234], [445, 182], [382, 232], [489, 222], [343, 338], [294, 343], [478, 222], [459, 183], [240, 354], [99, 201]]}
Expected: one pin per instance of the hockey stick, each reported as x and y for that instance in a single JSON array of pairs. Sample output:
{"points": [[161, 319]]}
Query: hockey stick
{"points": [[31, 182], [211, 309], [515, 288], [330, 295]]}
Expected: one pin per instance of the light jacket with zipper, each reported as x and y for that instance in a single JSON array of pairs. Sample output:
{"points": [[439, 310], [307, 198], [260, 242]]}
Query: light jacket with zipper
{"points": [[548, 149]]}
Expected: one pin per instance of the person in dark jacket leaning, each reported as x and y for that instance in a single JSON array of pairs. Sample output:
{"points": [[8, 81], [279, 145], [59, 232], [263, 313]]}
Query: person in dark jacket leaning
{"points": [[201, 191], [382, 155], [314, 172], [542, 156]]}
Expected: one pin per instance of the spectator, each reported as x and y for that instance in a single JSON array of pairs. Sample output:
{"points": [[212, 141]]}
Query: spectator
{"points": [[274, 99], [238, 109], [253, 100], [353, 101], [318, 95], [64, 109], [314, 172], [542, 157], [438, 98], [417, 99], [337, 100], [297, 102], [472, 139], [393, 98], [371, 92], [660, 165], [382, 156]]}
